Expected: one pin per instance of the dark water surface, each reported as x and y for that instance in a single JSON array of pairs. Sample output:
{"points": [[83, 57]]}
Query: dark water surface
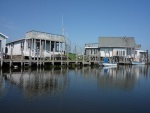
{"points": [[125, 89]]}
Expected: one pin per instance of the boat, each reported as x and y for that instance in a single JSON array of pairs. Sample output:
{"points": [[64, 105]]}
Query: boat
{"points": [[107, 63], [137, 63], [110, 64]]}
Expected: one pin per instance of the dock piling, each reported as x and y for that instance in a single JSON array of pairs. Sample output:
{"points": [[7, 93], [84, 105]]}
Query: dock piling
{"points": [[1, 57], [11, 51]]}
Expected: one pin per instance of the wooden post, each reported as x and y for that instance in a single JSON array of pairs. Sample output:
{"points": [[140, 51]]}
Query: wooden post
{"points": [[30, 56], [95, 57], [147, 56], [76, 53], [83, 58], [22, 56], [67, 54], [40, 52], [11, 56], [53, 58], [43, 59], [1, 57], [34, 49], [37, 56], [67, 47], [61, 53], [50, 50]]}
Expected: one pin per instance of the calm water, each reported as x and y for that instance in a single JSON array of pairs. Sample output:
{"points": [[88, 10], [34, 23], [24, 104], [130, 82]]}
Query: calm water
{"points": [[78, 90]]}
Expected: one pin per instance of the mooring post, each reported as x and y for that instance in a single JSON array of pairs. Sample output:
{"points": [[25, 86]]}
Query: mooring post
{"points": [[61, 54], [83, 59], [22, 56], [43, 59], [76, 53], [42, 55], [53, 58], [30, 56], [11, 51], [61, 58], [2, 57], [67, 56], [37, 56]]}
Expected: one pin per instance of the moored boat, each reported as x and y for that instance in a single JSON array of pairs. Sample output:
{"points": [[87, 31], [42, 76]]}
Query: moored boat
{"points": [[109, 64], [137, 63]]}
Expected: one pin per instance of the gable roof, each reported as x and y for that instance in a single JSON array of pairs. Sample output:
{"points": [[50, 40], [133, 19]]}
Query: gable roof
{"points": [[2, 35], [117, 42]]}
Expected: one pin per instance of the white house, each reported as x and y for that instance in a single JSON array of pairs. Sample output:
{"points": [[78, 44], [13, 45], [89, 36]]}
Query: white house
{"points": [[37, 44], [140, 55], [3, 39]]}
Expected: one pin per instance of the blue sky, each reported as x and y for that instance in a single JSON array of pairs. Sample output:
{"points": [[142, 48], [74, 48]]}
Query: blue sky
{"points": [[84, 20]]}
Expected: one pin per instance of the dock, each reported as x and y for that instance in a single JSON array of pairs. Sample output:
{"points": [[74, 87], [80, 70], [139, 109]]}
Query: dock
{"points": [[42, 62]]}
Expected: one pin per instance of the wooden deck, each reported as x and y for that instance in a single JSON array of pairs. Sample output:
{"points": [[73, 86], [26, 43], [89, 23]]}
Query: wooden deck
{"points": [[53, 61], [43, 62]]}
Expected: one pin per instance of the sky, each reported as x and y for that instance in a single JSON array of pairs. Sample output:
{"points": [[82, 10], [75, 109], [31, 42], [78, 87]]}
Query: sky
{"points": [[84, 21]]}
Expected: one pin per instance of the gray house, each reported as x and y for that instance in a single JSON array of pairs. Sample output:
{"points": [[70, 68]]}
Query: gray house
{"points": [[112, 46]]}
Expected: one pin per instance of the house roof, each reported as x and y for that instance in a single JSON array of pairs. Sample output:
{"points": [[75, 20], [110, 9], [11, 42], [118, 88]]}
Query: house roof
{"points": [[2, 35], [45, 36], [19, 40], [117, 42]]}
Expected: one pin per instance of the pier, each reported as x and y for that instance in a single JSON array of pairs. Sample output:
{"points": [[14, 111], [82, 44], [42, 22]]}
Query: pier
{"points": [[42, 62], [84, 60]]}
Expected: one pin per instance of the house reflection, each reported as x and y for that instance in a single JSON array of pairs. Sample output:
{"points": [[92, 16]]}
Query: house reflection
{"points": [[46, 82], [39, 82], [2, 85], [122, 77]]}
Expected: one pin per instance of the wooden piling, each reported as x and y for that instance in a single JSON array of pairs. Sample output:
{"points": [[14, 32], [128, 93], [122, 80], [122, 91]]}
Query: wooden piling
{"points": [[43, 58], [11, 51], [147, 56], [1, 57], [37, 56], [61, 55], [83, 60], [22, 56], [61, 59], [76, 54], [53, 58], [30, 56]]}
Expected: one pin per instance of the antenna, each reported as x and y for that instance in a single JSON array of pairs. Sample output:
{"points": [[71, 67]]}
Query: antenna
{"points": [[62, 26]]}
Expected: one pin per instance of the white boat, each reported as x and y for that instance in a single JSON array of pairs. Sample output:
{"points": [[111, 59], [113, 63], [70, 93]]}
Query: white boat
{"points": [[109, 64], [137, 63]]}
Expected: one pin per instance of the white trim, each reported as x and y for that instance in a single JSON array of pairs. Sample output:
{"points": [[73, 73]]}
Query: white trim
{"points": [[4, 35]]}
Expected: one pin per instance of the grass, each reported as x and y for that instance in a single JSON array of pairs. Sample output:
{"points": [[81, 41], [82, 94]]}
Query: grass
{"points": [[72, 56]]}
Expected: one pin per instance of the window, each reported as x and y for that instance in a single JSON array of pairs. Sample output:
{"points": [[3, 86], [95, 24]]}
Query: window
{"points": [[22, 45], [29, 43], [123, 53]]}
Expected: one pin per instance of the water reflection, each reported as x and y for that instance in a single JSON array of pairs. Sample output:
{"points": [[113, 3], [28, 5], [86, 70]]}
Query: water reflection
{"points": [[55, 81], [36, 82], [122, 77]]}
